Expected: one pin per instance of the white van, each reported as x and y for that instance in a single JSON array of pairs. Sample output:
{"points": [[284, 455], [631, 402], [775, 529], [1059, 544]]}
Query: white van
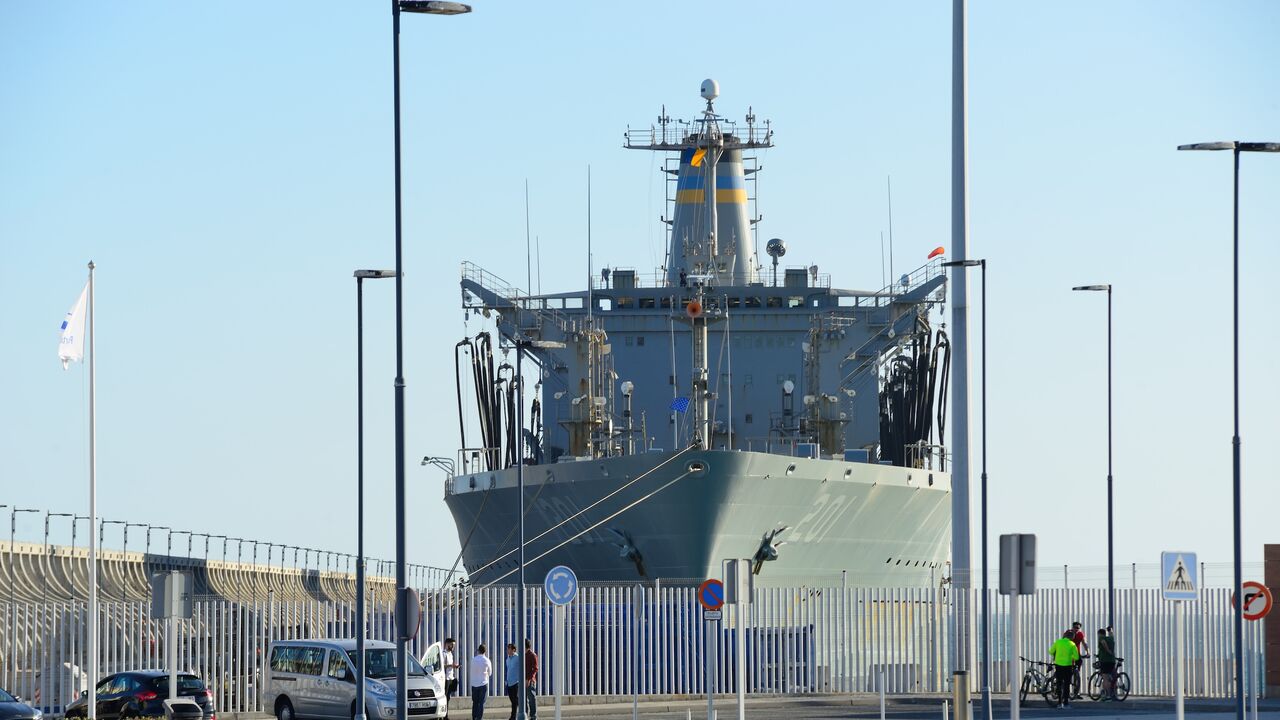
{"points": [[314, 679]]}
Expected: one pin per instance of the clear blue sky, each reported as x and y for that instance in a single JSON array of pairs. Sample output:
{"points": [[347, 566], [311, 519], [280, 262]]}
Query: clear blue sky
{"points": [[228, 165]]}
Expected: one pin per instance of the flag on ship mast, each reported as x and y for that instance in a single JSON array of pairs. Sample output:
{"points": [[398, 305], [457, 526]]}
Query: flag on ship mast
{"points": [[71, 344]]}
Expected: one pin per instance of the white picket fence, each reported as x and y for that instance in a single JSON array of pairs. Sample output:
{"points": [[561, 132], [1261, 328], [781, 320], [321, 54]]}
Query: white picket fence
{"points": [[798, 640]]}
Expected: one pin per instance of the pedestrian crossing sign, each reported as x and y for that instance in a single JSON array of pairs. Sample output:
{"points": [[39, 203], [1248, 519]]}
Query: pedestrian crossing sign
{"points": [[1178, 579]]}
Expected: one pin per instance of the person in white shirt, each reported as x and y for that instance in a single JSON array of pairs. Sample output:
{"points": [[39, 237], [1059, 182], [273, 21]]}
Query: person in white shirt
{"points": [[450, 670], [481, 669]]}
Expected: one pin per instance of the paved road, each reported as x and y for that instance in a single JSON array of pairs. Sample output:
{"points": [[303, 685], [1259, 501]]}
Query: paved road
{"points": [[868, 708]]}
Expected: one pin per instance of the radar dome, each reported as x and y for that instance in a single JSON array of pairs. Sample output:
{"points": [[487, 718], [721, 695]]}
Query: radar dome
{"points": [[710, 89], [776, 248]]}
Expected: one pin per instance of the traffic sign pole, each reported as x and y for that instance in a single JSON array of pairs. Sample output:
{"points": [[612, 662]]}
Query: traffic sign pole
{"points": [[557, 644], [561, 587], [711, 597], [710, 629], [1179, 677]]}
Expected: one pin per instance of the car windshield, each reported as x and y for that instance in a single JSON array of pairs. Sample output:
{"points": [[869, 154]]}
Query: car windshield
{"points": [[186, 683], [380, 663], [6, 697]]}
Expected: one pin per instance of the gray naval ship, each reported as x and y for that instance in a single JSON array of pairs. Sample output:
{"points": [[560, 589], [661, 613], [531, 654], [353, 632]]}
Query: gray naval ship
{"points": [[713, 409]]}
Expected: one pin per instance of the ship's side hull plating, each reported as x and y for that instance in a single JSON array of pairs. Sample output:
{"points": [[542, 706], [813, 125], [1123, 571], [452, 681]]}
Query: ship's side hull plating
{"points": [[677, 515]]}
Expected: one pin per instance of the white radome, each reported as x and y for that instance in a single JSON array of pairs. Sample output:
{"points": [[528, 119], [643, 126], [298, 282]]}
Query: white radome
{"points": [[710, 89]]}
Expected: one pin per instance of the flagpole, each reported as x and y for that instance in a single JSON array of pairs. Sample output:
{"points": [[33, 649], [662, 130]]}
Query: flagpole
{"points": [[92, 704]]}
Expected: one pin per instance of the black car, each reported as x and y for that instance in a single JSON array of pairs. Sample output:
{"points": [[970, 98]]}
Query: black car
{"points": [[141, 694], [11, 708]]}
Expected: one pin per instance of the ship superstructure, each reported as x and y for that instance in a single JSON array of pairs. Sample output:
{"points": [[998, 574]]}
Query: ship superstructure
{"points": [[709, 409]]}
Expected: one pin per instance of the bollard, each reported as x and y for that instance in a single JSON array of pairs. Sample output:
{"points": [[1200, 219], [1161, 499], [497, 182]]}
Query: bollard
{"points": [[960, 694], [881, 683], [946, 711]]}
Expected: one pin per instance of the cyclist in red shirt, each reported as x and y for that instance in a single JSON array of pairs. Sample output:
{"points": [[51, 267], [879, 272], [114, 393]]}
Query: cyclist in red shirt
{"points": [[1082, 649]]}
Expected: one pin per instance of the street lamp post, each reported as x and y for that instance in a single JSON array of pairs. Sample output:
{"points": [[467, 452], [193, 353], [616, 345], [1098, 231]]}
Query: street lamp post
{"points": [[1236, 148], [47, 565], [13, 609], [126, 534], [147, 549], [1111, 553], [361, 276], [402, 648], [182, 532], [986, 578]]}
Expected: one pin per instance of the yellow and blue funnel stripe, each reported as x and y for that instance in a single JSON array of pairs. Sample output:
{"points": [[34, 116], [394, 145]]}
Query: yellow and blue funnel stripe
{"points": [[730, 188]]}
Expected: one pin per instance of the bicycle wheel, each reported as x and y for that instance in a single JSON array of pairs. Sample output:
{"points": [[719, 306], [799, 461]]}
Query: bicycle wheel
{"points": [[1095, 686], [1049, 689], [1026, 688], [1122, 686]]}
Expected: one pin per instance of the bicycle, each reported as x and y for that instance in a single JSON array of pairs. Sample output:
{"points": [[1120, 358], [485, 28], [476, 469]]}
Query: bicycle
{"points": [[1119, 691], [1039, 681], [1076, 677]]}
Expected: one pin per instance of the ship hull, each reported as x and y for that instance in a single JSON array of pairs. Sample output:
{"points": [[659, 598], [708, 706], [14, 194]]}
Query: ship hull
{"points": [[683, 513]]}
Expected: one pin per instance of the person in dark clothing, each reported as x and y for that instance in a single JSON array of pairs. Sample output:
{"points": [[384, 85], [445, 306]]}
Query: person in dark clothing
{"points": [[531, 680], [1107, 662]]}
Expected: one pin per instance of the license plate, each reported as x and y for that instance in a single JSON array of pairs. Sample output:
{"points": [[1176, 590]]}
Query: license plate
{"points": [[422, 704]]}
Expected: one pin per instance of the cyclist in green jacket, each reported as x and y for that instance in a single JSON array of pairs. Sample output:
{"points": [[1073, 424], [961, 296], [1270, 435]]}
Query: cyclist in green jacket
{"points": [[1064, 654]]}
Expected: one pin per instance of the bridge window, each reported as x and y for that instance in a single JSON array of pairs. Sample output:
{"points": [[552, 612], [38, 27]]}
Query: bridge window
{"points": [[795, 302], [752, 302], [774, 302], [646, 303], [626, 303]]}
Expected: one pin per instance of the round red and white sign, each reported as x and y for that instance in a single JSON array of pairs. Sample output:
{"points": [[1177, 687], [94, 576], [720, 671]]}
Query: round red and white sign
{"points": [[1257, 600]]}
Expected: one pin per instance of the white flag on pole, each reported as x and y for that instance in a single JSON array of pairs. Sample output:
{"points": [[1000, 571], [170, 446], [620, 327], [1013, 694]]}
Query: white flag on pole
{"points": [[71, 345]]}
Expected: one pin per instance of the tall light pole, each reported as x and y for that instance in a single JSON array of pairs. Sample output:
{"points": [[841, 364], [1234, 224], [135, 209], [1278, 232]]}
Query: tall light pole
{"points": [[402, 647], [1111, 553], [361, 276], [986, 600], [1236, 148]]}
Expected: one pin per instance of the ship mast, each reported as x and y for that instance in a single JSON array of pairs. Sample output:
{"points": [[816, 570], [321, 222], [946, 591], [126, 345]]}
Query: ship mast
{"points": [[701, 392], [712, 142]]}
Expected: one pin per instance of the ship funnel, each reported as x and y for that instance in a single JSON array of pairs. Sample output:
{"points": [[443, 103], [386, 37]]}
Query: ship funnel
{"points": [[711, 235]]}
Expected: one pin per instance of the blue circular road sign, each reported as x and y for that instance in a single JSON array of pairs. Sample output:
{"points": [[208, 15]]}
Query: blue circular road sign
{"points": [[561, 585], [711, 594]]}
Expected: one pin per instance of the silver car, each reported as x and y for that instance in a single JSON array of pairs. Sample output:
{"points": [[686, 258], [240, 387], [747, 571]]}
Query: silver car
{"points": [[316, 679]]}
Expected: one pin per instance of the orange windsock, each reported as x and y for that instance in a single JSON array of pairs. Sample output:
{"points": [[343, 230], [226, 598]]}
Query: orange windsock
{"points": [[936, 252]]}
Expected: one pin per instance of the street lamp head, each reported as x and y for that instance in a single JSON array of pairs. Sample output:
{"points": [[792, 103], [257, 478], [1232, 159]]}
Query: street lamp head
{"points": [[374, 274], [434, 7], [963, 263], [1209, 146], [1234, 145], [1093, 288]]}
